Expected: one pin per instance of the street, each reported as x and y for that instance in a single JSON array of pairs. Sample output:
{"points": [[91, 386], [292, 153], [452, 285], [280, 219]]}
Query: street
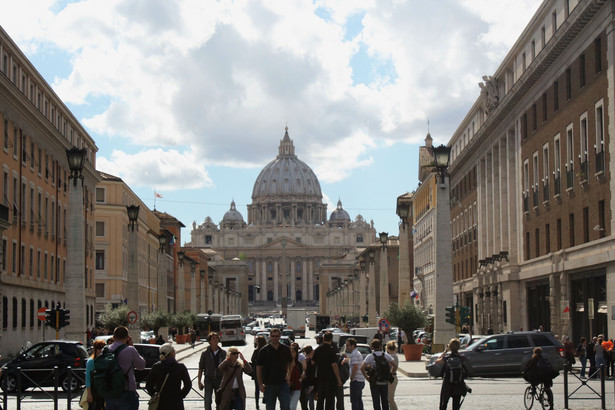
{"points": [[488, 393]]}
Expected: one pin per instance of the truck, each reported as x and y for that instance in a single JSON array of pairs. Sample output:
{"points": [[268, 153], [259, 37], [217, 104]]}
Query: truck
{"points": [[322, 322], [295, 320], [312, 321]]}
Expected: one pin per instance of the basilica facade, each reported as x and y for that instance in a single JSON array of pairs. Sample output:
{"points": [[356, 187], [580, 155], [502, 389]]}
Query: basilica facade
{"points": [[288, 234]]}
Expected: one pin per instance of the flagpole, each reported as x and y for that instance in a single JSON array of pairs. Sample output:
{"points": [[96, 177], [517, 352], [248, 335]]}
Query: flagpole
{"points": [[154, 198]]}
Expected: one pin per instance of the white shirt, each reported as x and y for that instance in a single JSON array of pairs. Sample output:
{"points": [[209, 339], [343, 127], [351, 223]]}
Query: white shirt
{"points": [[356, 359], [371, 361]]}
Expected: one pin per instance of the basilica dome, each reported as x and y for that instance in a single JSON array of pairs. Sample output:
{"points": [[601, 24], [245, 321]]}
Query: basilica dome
{"points": [[286, 176], [233, 215], [339, 215]]}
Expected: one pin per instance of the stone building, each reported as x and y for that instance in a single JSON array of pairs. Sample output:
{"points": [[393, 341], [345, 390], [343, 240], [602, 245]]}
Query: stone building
{"points": [[531, 177], [287, 235], [37, 129]]}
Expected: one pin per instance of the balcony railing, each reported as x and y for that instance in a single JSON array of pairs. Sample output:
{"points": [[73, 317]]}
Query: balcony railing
{"points": [[570, 178], [535, 197], [600, 161], [583, 173], [545, 192], [526, 203], [557, 185]]}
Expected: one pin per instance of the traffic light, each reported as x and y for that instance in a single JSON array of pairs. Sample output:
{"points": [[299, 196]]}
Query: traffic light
{"points": [[465, 314], [50, 318], [450, 315], [64, 318]]}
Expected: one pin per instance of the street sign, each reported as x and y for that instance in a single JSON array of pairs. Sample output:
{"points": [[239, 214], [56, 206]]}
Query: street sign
{"points": [[42, 313], [383, 325], [132, 317]]}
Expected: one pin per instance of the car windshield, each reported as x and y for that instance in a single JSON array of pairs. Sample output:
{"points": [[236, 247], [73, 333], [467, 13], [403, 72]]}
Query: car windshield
{"points": [[474, 344]]}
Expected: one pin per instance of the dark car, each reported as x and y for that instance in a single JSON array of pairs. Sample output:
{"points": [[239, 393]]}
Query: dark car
{"points": [[290, 333], [37, 365], [151, 354], [505, 354]]}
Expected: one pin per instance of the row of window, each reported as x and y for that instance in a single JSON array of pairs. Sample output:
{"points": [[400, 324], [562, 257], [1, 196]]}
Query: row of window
{"points": [[593, 227], [38, 264], [29, 313], [465, 269]]}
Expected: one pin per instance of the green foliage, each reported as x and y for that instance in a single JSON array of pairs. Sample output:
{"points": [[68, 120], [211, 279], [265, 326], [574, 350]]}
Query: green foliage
{"points": [[182, 320], [155, 321], [409, 318], [242, 256], [112, 318]]}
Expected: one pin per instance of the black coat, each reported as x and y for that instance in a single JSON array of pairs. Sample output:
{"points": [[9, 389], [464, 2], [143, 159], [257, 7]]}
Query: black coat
{"points": [[172, 396]]}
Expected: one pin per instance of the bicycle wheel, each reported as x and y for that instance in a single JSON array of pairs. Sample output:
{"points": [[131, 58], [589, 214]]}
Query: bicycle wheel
{"points": [[528, 398], [543, 398]]}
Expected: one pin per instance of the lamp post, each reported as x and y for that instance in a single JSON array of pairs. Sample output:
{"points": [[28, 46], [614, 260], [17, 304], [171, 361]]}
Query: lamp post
{"points": [[443, 278], [371, 303], [404, 284], [75, 279], [362, 290], [384, 273], [163, 239], [284, 279], [132, 284], [180, 289], [193, 285]]}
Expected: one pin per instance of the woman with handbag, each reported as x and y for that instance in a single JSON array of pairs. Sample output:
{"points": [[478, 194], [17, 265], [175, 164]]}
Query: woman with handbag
{"points": [[232, 392], [164, 381], [93, 398]]}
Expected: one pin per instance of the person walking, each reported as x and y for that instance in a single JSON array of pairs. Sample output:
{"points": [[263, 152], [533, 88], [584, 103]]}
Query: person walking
{"points": [[295, 371], [260, 343], [272, 372], [192, 337], [327, 373], [233, 391], [569, 351], [591, 356], [600, 358], [453, 375], [208, 365], [391, 350], [377, 368], [308, 382], [95, 400], [357, 381], [129, 360], [167, 377], [581, 353]]}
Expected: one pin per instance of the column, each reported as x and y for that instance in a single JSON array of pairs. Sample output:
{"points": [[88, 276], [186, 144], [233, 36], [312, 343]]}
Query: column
{"points": [[202, 308], [264, 280], [403, 284], [275, 281], [372, 296], [311, 284], [384, 280], [132, 284], [305, 280], [162, 281], [193, 290], [362, 294], [293, 280], [75, 264]]}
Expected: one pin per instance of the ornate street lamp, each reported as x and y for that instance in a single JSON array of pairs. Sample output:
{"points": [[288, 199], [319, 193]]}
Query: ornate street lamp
{"points": [[180, 257], [76, 158], [442, 156], [384, 237], [133, 215], [162, 241]]}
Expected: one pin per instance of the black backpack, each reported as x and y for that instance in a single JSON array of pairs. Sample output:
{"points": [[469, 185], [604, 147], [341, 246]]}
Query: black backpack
{"points": [[108, 378], [544, 370], [344, 369], [382, 372], [454, 371]]}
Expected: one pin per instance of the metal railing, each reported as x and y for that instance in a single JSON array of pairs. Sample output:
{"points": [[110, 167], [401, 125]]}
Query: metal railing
{"points": [[594, 395]]}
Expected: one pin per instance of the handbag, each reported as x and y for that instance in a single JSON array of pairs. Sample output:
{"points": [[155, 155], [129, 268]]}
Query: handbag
{"points": [[221, 389], [83, 402], [154, 401]]}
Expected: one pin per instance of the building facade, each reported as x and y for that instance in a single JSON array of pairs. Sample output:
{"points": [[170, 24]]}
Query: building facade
{"points": [[37, 130], [287, 235], [532, 178]]}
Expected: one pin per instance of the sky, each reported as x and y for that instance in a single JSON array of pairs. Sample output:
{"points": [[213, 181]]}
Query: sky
{"points": [[190, 98]]}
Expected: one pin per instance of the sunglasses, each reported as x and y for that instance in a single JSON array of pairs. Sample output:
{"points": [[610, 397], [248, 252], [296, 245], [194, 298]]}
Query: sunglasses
{"points": [[274, 336], [234, 353]]}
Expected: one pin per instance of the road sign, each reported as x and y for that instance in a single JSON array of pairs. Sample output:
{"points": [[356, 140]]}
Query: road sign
{"points": [[383, 325], [132, 317], [42, 313]]}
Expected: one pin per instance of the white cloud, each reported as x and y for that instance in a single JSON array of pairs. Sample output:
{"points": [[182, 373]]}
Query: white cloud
{"points": [[218, 80]]}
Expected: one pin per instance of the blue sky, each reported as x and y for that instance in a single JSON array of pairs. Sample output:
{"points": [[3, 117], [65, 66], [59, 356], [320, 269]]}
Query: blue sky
{"points": [[190, 98]]}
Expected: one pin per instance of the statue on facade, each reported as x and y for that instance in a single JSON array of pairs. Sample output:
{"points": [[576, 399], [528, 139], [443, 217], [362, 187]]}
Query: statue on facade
{"points": [[489, 93]]}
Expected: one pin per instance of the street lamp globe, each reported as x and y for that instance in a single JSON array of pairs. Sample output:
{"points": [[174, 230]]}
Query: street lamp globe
{"points": [[384, 237], [442, 155]]}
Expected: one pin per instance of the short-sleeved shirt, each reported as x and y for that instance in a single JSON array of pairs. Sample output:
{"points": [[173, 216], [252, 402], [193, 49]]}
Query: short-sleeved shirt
{"points": [[370, 360], [89, 368], [129, 360], [275, 363], [356, 359], [324, 355]]}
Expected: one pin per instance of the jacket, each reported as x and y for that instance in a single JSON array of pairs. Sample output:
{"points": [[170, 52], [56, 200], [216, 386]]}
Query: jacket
{"points": [[172, 396], [230, 371]]}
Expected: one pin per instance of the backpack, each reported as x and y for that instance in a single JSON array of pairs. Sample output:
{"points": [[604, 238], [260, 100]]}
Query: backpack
{"points": [[108, 378], [382, 372], [544, 370], [454, 371], [344, 369]]}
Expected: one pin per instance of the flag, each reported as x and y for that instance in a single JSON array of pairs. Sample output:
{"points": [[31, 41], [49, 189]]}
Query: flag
{"points": [[157, 195], [172, 241], [566, 310]]}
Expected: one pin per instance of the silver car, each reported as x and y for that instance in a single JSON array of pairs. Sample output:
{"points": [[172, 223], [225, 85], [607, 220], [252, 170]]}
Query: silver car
{"points": [[505, 354]]}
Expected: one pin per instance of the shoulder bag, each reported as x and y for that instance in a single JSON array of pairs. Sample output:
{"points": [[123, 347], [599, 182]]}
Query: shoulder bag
{"points": [[154, 401], [221, 389]]}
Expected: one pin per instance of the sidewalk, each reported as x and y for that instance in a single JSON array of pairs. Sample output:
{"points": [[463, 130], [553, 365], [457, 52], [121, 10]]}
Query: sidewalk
{"points": [[413, 368]]}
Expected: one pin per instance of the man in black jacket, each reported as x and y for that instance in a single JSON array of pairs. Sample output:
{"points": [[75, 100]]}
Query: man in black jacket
{"points": [[208, 364]]}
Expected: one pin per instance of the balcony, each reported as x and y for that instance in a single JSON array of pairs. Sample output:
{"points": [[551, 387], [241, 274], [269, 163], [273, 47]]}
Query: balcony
{"points": [[570, 178], [526, 203], [535, 198], [557, 186], [583, 172], [599, 162]]}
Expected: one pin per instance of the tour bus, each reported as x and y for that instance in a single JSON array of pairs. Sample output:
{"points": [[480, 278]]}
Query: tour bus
{"points": [[231, 330], [206, 323]]}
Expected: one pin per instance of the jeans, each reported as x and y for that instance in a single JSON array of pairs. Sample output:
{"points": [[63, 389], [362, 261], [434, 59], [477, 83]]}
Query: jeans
{"points": [[356, 391], [309, 397], [583, 360], [339, 398], [294, 399], [326, 396], [211, 385], [380, 394], [129, 400], [257, 392], [236, 401], [444, 397], [275, 392]]}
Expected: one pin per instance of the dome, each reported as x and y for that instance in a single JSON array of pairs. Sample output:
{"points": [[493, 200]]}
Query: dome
{"points": [[339, 215], [232, 215], [286, 176]]}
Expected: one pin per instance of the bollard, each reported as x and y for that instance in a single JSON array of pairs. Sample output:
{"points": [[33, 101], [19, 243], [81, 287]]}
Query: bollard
{"points": [[55, 387], [602, 373], [5, 394], [566, 367], [69, 391], [18, 389]]}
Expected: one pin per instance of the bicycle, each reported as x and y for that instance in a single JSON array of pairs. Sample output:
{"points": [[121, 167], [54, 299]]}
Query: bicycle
{"points": [[537, 393]]}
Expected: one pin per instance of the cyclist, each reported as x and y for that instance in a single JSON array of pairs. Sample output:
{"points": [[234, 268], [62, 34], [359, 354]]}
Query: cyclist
{"points": [[539, 370]]}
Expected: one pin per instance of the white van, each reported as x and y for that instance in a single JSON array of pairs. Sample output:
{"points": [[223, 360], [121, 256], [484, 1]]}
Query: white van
{"points": [[231, 330], [368, 332]]}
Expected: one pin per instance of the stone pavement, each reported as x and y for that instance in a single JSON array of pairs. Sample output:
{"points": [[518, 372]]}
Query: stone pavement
{"points": [[413, 368]]}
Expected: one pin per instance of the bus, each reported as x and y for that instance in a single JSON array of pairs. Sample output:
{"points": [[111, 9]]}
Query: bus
{"points": [[231, 330], [206, 323]]}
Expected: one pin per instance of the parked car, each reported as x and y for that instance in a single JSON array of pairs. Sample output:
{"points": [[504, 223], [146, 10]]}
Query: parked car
{"points": [[151, 354], [505, 354], [363, 348], [264, 334], [286, 340], [104, 338], [290, 333], [467, 339], [147, 335], [37, 365]]}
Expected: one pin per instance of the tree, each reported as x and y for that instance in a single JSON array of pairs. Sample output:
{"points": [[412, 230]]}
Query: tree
{"points": [[155, 321], [114, 317], [182, 320], [408, 318]]}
